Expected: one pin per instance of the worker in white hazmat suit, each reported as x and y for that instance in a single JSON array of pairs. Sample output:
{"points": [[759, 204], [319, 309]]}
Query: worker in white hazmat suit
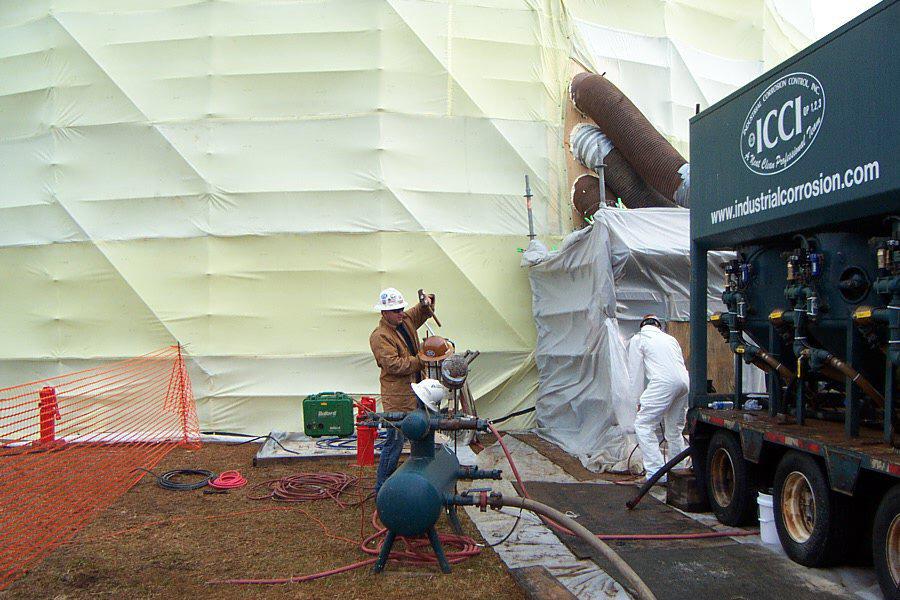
{"points": [[659, 384]]}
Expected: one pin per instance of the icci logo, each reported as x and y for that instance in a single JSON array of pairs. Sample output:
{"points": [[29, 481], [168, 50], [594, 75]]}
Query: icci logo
{"points": [[783, 123]]}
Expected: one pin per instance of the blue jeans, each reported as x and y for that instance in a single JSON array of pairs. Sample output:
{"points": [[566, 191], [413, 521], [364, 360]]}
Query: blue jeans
{"points": [[390, 456]]}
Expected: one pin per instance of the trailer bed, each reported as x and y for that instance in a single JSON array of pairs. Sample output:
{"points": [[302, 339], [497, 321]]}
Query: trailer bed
{"points": [[844, 456]]}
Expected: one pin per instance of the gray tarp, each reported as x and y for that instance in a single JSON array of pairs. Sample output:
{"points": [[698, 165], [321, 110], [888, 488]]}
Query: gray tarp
{"points": [[588, 298]]}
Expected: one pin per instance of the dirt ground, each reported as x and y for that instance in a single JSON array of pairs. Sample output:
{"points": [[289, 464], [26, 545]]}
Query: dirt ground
{"points": [[156, 543]]}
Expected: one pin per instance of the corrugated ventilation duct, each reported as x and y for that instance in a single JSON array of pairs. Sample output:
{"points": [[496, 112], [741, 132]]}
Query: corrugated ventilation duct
{"points": [[590, 147], [651, 155], [586, 195]]}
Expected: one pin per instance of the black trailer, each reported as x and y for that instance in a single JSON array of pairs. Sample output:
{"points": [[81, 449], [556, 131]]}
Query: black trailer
{"points": [[798, 173]]}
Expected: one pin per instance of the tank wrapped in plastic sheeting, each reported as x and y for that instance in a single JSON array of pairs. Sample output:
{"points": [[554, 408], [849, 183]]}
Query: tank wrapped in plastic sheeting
{"points": [[586, 195], [651, 155], [590, 147]]}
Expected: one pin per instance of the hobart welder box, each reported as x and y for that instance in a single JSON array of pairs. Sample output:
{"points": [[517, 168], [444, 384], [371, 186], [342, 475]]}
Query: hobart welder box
{"points": [[328, 413]]}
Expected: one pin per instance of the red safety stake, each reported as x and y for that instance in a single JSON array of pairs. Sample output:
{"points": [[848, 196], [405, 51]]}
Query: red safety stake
{"points": [[365, 436], [49, 413]]}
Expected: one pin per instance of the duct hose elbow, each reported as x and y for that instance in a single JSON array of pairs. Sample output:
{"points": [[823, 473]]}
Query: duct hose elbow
{"points": [[591, 147], [652, 156], [760, 358], [586, 195], [776, 365]]}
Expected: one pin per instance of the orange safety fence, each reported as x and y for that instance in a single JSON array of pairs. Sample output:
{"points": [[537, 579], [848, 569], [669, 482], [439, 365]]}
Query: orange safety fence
{"points": [[70, 444]]}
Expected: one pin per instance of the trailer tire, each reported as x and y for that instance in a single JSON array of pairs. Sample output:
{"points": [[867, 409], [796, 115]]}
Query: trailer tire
{"points": [[886, 544], [812, 521], [730, 480]]}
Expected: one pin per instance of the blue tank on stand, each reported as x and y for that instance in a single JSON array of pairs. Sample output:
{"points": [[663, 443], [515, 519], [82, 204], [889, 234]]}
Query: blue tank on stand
{"points": [[411, 500]]}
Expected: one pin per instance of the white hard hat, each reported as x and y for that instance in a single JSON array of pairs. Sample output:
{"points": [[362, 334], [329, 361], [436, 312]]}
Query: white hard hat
{"points": [[431, 393], [390, 299]]}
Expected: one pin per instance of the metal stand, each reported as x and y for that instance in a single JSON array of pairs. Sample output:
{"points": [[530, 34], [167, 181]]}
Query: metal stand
{"points": [[453, 517], [438, 550], [601, 176], [528, 197], [800, 409], [385, 552], [775, 392], [888, 402], [852, 399]]}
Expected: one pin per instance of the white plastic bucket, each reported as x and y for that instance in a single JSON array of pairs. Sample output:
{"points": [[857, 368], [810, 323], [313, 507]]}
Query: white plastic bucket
{"points": [[767, 530]]}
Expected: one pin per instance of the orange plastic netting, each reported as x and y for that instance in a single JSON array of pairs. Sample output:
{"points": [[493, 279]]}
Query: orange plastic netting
{"points": [[71, 444]]}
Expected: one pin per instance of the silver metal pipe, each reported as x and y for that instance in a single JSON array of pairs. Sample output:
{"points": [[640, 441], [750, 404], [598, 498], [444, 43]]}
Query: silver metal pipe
{"points": [[528, 197]]}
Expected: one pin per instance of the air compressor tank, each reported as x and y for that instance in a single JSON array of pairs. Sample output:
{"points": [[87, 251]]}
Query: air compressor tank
{"points": [[411, 500]]}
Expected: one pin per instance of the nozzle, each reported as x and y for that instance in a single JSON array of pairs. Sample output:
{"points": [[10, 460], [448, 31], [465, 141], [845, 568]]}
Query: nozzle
{"points": [[468, 472], [459, 423]]}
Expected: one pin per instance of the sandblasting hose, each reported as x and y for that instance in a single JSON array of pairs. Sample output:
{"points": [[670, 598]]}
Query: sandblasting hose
{"points": [[657, 476], [638, 588]]}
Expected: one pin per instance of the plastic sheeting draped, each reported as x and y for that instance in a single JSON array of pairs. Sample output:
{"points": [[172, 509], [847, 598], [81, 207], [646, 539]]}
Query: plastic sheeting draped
{"points": [[244, 177], [588, 298], [580, 356]]}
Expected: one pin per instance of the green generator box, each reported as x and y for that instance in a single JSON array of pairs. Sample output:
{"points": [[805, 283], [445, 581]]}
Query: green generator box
{"points": [[328, 413]]}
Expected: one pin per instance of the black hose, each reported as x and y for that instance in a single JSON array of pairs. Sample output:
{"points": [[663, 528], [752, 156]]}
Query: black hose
{"points": [[518, 413], [252, 438], [348, 443], [508, 535], [166, 480], [656, 476]]}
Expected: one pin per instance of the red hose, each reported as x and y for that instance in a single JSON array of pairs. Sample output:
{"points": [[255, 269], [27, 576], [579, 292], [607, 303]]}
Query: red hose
{"points": [[512, 465], [306, 487], [298, 579], [467, 547], [413, 554], [228, 480], [675, 536]]}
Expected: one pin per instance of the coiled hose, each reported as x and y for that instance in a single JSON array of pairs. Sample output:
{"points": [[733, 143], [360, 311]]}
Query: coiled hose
{"points": [[305, 487], [228, 480], [167, 479]]}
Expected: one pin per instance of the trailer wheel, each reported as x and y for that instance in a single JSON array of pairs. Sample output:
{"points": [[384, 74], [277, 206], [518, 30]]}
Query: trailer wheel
{"points": [[886, 544], [730, 480], [810, 518]]}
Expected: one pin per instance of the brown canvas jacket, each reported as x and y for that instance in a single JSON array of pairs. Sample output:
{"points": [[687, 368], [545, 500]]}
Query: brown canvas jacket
{"points": [[398, 366]]}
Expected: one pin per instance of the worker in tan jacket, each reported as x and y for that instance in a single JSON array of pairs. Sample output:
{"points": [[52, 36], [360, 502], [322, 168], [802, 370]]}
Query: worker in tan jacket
{"points": [[396, 346]]}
